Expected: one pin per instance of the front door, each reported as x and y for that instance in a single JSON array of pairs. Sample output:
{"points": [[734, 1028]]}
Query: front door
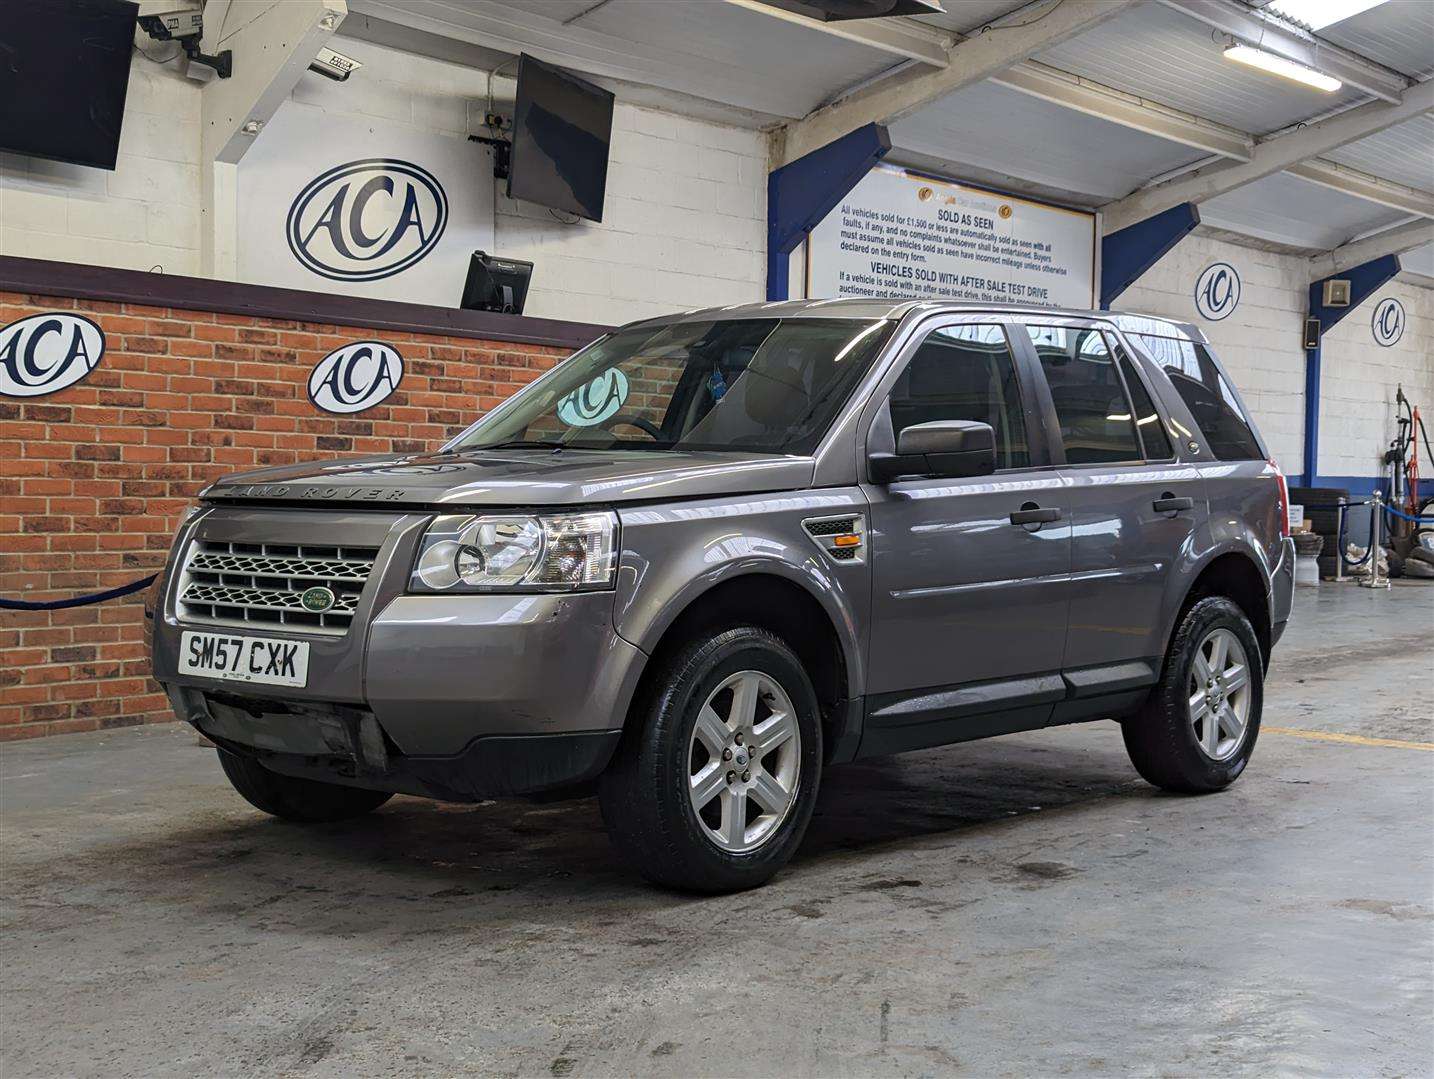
{"points": [[1134, 506], [969, 604]]}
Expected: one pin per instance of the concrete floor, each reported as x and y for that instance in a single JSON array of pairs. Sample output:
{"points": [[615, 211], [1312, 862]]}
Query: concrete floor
{"points": [[1018, 906]]}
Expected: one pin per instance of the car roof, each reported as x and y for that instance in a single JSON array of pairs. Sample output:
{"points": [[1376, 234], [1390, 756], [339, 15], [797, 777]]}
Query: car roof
{"points": [[874, 308]]}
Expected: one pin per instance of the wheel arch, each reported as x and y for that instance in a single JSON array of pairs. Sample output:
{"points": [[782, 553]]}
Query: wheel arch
{"points": [[1236, 575], [776, 602]]}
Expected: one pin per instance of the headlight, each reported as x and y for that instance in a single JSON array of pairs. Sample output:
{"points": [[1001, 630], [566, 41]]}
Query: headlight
{"points": [[558, 553]]}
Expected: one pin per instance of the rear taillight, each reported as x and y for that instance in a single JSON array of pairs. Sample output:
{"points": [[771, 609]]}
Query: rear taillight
{"points": [[1284, 492]]}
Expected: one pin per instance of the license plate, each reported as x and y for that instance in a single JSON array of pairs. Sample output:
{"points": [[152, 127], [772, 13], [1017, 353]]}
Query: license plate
{"points": [[244, 659]]}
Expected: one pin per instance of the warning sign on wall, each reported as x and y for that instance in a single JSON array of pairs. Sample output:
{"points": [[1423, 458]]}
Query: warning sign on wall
{"points": [[899, 233]]}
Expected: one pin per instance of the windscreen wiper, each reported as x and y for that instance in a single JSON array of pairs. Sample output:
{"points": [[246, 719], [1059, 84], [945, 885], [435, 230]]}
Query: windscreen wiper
{"points": [[521, 444]]}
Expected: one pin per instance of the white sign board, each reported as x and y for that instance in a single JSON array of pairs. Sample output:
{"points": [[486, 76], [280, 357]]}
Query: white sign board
{"points": [[341, 205], [901, 234]]}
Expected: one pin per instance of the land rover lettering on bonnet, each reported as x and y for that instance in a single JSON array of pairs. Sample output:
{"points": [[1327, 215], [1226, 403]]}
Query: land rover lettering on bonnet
{"points": [[708, 556]]}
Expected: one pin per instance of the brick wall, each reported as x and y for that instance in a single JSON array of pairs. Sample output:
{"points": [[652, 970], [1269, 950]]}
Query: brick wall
{"points": [[93, 478]]}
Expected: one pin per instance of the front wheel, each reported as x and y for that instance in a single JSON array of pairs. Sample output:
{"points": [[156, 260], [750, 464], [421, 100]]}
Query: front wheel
{"points": [[1197, 730], [714, 789]]}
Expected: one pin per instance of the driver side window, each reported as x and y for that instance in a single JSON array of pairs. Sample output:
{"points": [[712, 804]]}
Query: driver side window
{"points": [[964, 373]]}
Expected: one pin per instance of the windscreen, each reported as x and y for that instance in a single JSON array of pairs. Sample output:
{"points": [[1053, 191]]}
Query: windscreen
{"points": [[763, 385]]}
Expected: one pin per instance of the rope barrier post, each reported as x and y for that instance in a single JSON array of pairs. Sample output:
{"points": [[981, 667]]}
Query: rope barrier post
{"points": [[1376, 520], [1340, 510]]}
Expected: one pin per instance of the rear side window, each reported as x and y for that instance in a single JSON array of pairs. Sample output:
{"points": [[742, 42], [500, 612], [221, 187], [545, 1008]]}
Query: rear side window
{"points": [[964, 373], [1205, 392], [1147, 419], [1091, 406]]}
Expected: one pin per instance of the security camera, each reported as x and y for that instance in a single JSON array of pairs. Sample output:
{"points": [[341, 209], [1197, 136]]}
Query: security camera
{"points": [[173, 25], [186, 26], [334, 65]]}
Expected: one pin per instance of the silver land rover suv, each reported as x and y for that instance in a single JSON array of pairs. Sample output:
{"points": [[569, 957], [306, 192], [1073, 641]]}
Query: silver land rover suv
{"points": [[709, 555]]}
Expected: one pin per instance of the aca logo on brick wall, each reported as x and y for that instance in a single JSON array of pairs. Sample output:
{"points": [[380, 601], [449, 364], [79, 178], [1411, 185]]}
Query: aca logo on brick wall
{"points": [[1217, 291], [1388, 322], [43, 354], [355, 377], [367, 219]]}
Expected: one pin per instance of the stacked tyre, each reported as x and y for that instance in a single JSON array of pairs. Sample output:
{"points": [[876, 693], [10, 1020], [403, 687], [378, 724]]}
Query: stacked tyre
{"points": [[1322, 512]]}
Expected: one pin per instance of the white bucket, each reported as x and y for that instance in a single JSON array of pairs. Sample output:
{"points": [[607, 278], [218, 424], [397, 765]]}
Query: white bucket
{"points": [[1306, 571]]}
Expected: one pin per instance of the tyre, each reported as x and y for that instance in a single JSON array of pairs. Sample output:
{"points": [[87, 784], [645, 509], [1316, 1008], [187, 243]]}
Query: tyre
{"points": [[714, 782], [1198, 729], [294, 799]]}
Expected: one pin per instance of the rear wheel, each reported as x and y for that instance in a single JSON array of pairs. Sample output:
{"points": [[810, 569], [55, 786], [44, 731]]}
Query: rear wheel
{"points": [[294, 799], [713, 791], [1198, 729]]}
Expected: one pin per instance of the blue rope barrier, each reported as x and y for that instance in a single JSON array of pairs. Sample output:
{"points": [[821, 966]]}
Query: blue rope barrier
{"points": [[77, 601], [1407, 517]]}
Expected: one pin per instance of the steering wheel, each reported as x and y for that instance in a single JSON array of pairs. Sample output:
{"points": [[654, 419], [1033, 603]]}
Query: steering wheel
{"points": [[640, 422]]}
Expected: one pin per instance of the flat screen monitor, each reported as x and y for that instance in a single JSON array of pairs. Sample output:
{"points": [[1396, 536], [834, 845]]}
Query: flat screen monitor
{"points": [[561, 129], [496, 284], [64, 70]]}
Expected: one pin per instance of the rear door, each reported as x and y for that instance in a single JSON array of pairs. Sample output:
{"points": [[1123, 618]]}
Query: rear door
{"points": [[968, 605], [1134, 505]]}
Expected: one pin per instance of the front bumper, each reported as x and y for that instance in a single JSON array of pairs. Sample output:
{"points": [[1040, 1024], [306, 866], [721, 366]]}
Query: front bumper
{"points": [[452, 696]]}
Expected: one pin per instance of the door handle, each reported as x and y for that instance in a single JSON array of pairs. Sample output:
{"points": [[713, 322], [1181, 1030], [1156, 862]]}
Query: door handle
{"points": [[1168, 503], [1031, 514]]}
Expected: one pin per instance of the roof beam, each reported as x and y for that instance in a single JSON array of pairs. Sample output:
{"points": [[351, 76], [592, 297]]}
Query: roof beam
{"points": [[1362, 185], [913, 41], [899, 37], [1275, 155], [1105, 103], [1253, 27], [1034, 28], [1393, 241], [511, 30]]}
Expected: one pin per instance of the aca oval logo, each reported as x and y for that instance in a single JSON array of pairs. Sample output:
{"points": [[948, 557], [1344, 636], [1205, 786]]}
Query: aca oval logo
{"points": [[367, 219], [42, 354], [355, 377], [594, 401], [1388, 322], [1217, 291]]}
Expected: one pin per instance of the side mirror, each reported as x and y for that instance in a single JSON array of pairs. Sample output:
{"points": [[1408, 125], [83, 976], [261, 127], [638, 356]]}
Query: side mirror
{"points": [[942, 448]]}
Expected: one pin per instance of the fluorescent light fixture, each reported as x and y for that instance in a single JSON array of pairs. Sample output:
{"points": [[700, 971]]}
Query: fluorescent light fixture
{"points": [[1278, 65], [1317, 14]]}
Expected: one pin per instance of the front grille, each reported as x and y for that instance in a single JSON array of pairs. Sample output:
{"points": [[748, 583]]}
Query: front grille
{"points": [[260, 584]]}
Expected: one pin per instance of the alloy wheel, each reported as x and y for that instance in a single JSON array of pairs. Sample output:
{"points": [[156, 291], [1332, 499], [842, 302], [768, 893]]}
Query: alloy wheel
{"points": [[743, 761], [1219, 693]]}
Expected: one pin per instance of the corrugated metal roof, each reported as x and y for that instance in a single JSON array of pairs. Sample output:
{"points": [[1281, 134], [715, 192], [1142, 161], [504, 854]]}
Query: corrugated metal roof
{"points": [[1403, 153], [995, 128], [1399, 35], [1292, 211], [1164, 56]]}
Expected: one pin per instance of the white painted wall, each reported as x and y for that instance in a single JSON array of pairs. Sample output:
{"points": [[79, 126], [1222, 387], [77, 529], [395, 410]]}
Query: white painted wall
{"points": [[1358, 378], [684, 223], [143, 214]]}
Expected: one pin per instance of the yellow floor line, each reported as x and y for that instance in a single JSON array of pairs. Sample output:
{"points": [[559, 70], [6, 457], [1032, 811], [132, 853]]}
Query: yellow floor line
{"points": [[1349, 739]]}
